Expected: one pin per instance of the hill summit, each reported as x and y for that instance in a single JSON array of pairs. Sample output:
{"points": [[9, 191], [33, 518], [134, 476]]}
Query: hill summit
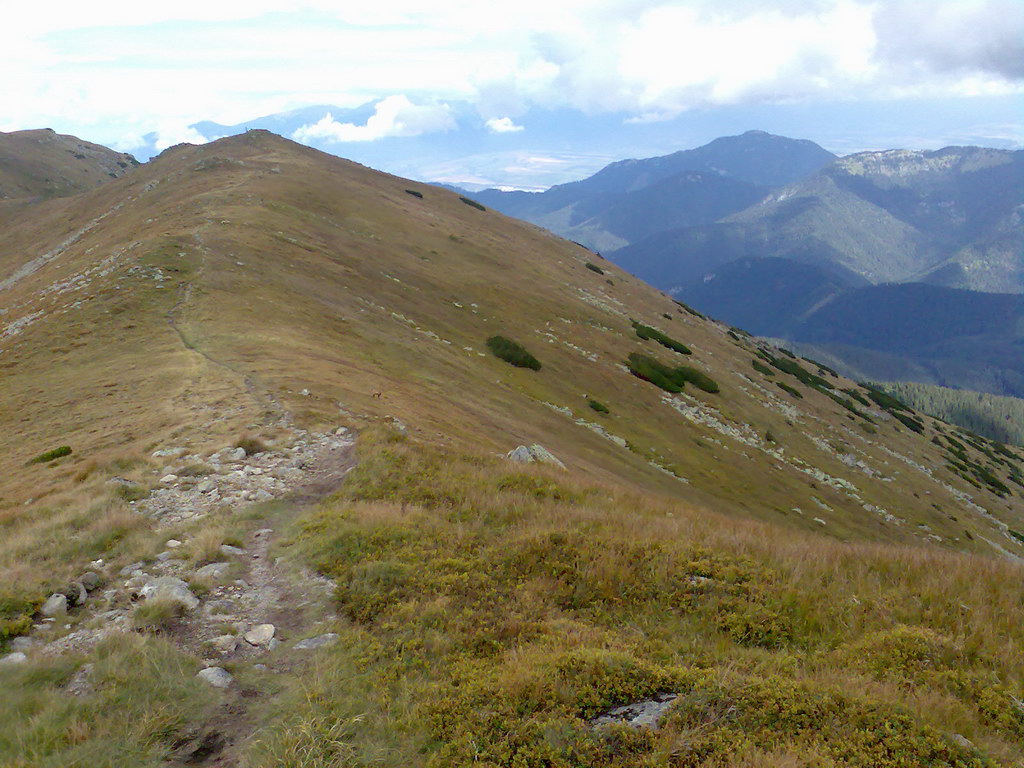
{"points": [[305, 464]]}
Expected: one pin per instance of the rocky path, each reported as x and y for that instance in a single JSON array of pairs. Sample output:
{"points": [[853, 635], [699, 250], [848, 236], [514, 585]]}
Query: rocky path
{"points": [[246, 614]]}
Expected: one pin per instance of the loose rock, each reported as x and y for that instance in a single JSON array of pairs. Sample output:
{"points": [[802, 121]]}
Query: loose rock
{"points": [[224, 644], [55, 605], [213, 571], [320, 641], [170, 588], [13, 658], [215, 676], [260, 635]]}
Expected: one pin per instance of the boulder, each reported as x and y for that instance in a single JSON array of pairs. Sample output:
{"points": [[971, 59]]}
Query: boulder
{"points": [[55, 605], [536, 452], [169, 478], [237, 454], [90, 580], [213, 571], [215, 676], [169, 588], [13, 658], [224, 644], [227, 549], [260, 635], [320, 641]]}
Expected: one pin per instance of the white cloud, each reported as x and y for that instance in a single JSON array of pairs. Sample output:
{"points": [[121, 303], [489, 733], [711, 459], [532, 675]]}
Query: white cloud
{"points": [[503, 125], [70, 64], [170, 134], [393, 116]]}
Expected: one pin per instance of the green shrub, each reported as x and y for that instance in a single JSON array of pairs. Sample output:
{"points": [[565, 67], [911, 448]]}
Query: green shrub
{"points": [[761, 368], [472, 203], [598, 406], [791, 390], [513, 353], [414, 193], [594, 268], [55, 453], [698, 378], [909, 422], [646, 332], [689, 309], [793, 368], [669, 379]]}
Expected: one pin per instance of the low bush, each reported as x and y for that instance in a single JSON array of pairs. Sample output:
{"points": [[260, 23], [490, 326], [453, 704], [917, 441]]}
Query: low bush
{"points": [[414, 193], [646, 332], [761, 368], [598, 406], [788, 389], [251, 445], [688, 308], [594, 268], [512, 352], [698, 378], [472, 203], [670, 379], [54, 453]]}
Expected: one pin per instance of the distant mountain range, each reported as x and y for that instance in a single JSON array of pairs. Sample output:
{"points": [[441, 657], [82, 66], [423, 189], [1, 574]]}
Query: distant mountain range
{"points": [[632, 200]]}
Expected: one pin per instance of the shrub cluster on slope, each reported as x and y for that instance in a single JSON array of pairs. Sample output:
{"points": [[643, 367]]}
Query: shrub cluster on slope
{"points": [[667, 378], [646, 332], [512, 352]]}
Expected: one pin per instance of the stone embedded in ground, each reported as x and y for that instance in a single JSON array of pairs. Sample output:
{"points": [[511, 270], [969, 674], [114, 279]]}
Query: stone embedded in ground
{"points": [[163, 557], [227, 549], [320, 641], [213, 571], [224, 644], [168, 478], [172, 453], [205, 486], [169, 588], [260, 635], [172, 544], [21, 643], [215, 676], [235, 455], [55, 605], [13, 658], [641, 714], [90, 580], [535, 452]]}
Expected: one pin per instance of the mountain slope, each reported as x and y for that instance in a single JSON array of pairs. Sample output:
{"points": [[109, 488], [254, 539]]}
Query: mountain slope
{"points": [[41, 164], [633, 199], [733, 544]]}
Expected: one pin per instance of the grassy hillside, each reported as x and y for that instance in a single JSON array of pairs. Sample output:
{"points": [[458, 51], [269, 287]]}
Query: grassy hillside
{"points": [[43, 164], [819, 575]]}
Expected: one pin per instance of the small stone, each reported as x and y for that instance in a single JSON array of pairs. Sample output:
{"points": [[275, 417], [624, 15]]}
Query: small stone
{"points": [[261, 634], [274, 642], [238, 454], [227, 549], [90, 580], [213, 571], [55, 605], [320, 641], [172, 453], [205, 486], [13, 658], [21, 643], [962, 741], [163, 557], [224, 644], [172, 544], [129, 570], [168, 478], [215, 676]]}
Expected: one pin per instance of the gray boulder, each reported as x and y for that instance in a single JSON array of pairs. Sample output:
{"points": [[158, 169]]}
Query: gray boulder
{"points": [[213, 571], [13, 658], [260, 635], [320, 641], [90, 580], [169, 588], [55, 605], [215, 676], [536, 452]]}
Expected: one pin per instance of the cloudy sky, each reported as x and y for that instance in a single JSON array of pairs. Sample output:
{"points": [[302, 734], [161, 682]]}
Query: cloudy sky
{"points": [[116, 71]]}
